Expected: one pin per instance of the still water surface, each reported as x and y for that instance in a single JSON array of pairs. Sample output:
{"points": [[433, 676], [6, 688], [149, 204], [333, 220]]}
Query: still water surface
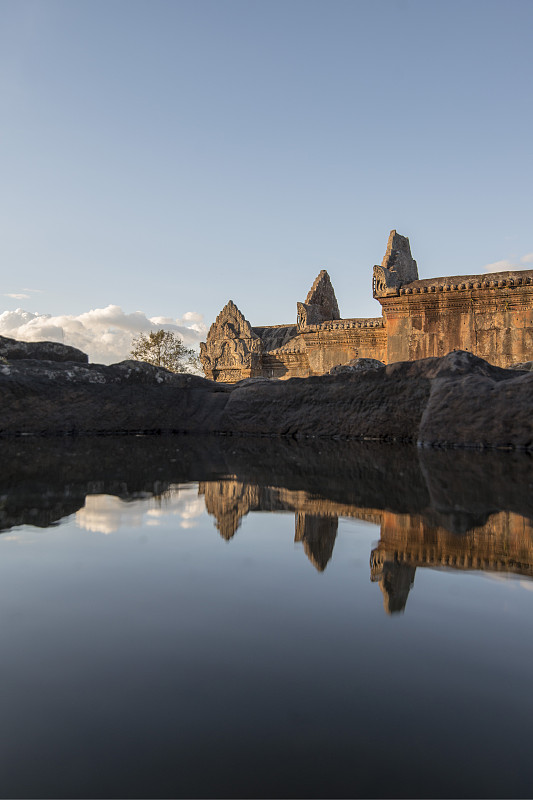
{"points": [[232, 618]]}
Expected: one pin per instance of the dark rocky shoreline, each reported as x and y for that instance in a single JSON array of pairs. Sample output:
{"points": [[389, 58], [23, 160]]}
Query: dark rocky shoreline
{"points": [[458, 400]]}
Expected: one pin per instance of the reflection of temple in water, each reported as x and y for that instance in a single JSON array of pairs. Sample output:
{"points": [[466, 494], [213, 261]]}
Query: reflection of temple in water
{"points": [[318, 534], [230, 500], [501, 542], [444, 510], [504, 543]]}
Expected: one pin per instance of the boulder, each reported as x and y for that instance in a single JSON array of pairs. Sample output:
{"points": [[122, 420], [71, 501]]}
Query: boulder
{"points": [[357, 365], [525, 366], [13, 350]]}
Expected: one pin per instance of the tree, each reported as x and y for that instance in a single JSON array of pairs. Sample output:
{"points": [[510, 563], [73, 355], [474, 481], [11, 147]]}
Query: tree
{"points": [[164, 349]]}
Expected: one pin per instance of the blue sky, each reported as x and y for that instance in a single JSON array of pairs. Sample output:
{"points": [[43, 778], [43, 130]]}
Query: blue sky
{"points": [[168, 156]]}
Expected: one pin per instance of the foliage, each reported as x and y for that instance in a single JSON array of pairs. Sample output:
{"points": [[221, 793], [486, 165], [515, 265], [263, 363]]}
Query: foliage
{"points": [[164, 349]]}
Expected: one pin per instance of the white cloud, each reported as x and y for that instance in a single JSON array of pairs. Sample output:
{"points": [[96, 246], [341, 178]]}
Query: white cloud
{"points": [[104, 333], [18, 296], [104, 513], [498, 266], [508, 263]]}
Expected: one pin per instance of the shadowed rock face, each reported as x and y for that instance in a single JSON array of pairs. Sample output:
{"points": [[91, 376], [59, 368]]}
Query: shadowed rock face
{"points": [[357, 365], [457, 400]]}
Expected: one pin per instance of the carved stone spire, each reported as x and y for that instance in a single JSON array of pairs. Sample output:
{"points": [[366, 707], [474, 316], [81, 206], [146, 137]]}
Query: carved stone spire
{"points": [[398, 258], [322, 294], [398, 266], [320, 304]]}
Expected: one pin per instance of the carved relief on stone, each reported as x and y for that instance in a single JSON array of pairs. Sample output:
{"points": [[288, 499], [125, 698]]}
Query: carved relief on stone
{"points": [[320, 304], [384, 282], [231, 346], [398, 266], [309, 315]]}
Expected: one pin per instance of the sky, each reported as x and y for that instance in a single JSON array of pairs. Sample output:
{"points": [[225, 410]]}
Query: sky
{"points": [[158, 157]]}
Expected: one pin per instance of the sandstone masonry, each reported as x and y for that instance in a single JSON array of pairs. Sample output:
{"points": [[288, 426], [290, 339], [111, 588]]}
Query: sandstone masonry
{"points": [[489, 315]]}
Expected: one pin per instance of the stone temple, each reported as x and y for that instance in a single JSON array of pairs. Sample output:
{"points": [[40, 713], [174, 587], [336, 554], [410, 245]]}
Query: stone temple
{"points": [[491, 315]]}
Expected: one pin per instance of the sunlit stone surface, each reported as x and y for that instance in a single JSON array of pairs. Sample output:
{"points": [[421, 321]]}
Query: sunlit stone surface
{"points": [[488, 315]]}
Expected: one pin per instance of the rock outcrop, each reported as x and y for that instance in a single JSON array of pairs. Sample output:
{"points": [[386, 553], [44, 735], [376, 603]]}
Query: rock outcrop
{"points": [[458, 400], [13, 350], [357, 365], [525, 366]]}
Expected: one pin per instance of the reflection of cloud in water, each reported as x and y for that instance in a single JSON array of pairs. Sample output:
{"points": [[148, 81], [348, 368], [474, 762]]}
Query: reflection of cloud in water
{"points": [[512, 581], [104, 513]]}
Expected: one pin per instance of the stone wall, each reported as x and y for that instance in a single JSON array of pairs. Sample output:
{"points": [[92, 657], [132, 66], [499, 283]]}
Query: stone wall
{"points": [[319, 348], [488, 315], [338, 342]]}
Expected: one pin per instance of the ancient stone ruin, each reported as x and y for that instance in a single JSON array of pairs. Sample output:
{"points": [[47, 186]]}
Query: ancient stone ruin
{"points": [[490, 315]]}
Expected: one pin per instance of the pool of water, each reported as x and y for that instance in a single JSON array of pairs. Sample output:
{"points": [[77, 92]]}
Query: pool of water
{"points": [[222, 617]]}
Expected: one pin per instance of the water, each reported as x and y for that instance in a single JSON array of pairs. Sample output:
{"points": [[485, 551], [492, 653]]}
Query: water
{"points": [[226, 617]]}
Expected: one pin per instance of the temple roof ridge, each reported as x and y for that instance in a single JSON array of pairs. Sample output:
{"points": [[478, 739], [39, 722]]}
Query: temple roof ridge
{"points": [[480, 276], [398, 257], [484, 280], [322, 275], [230, 307], [320, 303], [232, 314]]}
